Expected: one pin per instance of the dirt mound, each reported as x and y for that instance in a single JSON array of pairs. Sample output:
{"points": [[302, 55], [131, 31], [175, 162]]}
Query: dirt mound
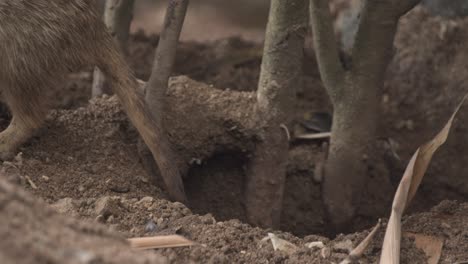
{"points": [[33, 233], [86, 152], [95, 175], [217, 241]]}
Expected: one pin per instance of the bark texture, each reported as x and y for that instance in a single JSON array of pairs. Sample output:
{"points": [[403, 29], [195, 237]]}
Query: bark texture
{"points": [[156, 88], [281, 74], [165, 57], [33, 233], [355, 92], [118, 16], [452, 8], [99, 86]]}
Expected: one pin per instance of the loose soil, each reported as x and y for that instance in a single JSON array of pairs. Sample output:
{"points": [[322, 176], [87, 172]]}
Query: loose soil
{"points": [[85, 163]]}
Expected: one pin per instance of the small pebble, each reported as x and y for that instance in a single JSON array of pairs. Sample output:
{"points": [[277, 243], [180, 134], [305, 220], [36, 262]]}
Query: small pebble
{"points": [[146, 200], [150, 227], [100, 219], [111, 219], [325, 252], [119, 189]]}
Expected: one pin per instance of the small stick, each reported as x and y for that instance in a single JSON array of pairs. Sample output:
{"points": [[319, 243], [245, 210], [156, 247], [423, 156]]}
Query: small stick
{"points": [[286, 130], [33, 185], [359, 250], [159, 242], [314, 135]]}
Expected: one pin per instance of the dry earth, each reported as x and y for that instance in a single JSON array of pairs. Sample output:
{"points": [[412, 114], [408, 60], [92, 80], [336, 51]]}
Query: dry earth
{"points": [[84, 162]]}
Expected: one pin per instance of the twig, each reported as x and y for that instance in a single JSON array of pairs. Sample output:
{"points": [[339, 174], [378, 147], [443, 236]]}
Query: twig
{"points": [[159, 242], [33, 185], [359, 250], [314, 135], [286, 130]]}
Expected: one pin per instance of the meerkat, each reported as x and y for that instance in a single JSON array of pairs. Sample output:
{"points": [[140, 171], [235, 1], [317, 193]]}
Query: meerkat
{"points": [[43, 40]]}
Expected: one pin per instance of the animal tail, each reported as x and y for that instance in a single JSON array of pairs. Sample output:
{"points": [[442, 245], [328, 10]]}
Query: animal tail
{"points": [[125, 86]]}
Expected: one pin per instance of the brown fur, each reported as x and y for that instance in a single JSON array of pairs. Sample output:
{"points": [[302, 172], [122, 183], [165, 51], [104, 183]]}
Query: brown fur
{"points": [[40, 42]]}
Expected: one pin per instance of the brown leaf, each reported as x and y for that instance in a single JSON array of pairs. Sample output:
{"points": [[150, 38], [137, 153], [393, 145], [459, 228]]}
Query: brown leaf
{"points": [[431, 245], [281, 244], [407, 189], [427, 150]]}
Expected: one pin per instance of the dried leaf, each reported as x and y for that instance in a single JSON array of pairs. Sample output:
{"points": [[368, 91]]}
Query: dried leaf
{"points": [[407, 189], [431, 245], [315, 244], [427, 150], [159, 242], [281, 244], [345, 245]]}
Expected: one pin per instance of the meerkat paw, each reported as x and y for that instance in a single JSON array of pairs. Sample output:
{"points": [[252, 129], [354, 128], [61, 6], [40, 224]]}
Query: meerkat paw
{"points": [[7, 153], [8, 145]]}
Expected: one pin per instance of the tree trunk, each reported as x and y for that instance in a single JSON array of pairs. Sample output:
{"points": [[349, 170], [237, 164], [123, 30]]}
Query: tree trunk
{"points": [[281, 74], [99, 85], [165, 57], [118, 16], [156, 89], [355, 92], [351, 144], [34, 233], [451, 9]]}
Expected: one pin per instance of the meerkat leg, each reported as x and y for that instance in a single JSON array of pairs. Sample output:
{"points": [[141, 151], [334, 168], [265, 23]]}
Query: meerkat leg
{"points": [[28, 111]]}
